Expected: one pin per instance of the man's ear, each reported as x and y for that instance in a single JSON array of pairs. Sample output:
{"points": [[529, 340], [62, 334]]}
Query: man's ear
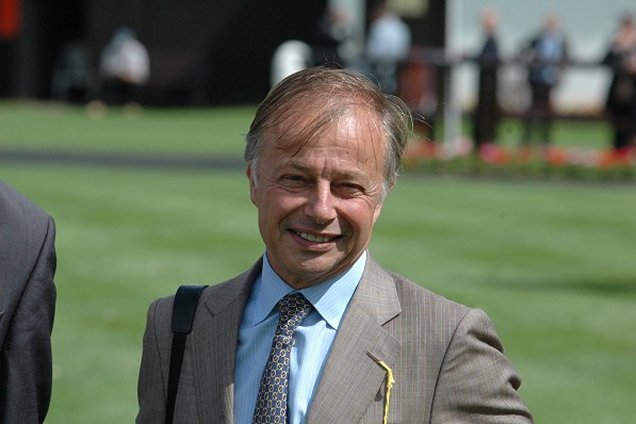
{"points": [[251, 178], [376, 213], [378, 208]]}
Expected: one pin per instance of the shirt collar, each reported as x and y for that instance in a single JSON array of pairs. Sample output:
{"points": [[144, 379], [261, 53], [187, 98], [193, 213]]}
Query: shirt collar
{"points": [[330, 298]]}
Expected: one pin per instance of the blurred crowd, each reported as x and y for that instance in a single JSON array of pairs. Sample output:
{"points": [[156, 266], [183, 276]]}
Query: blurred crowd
{"points": [[389, 58], [123, 71], [545, 57], [401, 68]]}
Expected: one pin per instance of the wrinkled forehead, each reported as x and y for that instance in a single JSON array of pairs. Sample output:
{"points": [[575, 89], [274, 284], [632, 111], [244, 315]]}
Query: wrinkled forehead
{"points": [[302, 125]]}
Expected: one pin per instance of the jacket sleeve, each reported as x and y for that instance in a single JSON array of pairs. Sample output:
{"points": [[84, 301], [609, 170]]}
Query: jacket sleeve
{"points": [[25, 363], [477, 383], [151, 391]]}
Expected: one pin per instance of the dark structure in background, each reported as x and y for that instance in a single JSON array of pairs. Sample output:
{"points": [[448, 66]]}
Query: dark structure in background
{"points": [[202, 52], [9, 30]]}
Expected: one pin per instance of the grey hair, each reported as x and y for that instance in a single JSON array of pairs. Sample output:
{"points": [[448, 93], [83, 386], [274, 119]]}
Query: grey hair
{"points": [[337, 91]]}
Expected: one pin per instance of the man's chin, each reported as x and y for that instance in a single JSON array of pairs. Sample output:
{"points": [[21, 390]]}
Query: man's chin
{"points": [[308, 271]]}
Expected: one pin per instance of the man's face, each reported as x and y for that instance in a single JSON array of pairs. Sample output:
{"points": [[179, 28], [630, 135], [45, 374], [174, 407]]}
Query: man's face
{"points": [[317, 206]]}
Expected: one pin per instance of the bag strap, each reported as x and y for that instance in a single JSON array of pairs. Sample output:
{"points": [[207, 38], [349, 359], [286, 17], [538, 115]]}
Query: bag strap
{"points": [[183, 310]]}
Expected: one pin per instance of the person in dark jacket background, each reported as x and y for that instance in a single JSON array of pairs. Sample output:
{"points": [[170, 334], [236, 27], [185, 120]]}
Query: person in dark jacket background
{"points": [[621, 97], [546, 55], [486, 116], [27, 307]]}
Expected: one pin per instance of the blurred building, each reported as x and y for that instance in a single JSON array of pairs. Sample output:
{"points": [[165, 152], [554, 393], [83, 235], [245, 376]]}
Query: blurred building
{"points": [[201, 51]]}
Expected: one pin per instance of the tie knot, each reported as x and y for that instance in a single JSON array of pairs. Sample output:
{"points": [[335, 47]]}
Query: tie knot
{"points": [[293, 308]]}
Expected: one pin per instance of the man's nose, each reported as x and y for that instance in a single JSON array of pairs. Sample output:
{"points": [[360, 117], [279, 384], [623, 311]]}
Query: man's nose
{"points": [[321, 204]]}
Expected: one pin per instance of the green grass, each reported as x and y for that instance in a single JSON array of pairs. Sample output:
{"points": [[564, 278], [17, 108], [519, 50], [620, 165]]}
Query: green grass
{"points": [[583, 134], [123, 239], [160, 131], [219, 131], [586, 134], [552, 263]]}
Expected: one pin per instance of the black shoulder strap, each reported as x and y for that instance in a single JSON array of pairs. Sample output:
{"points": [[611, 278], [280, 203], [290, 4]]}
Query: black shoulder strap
{"points": [[183, 310]]}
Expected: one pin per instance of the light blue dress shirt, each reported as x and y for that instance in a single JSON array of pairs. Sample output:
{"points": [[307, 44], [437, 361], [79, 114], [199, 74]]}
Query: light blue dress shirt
{"points": [[312, 339]]}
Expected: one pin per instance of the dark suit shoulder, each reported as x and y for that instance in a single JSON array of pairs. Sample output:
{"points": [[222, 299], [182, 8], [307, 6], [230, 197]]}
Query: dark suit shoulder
{"points": [[27, 307], [27, 233], [17, 210]]}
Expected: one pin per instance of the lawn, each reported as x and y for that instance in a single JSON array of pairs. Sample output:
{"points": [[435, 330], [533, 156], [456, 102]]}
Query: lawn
{"points": [[219, 131], [31, 126], [552, 263]]}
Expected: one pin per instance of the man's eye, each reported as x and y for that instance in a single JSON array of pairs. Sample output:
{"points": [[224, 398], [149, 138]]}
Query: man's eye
{"points": [[292, 180], [349, 190]]}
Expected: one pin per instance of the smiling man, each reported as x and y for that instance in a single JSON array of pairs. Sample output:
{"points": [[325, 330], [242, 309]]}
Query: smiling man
{"points": [[316, 331]]}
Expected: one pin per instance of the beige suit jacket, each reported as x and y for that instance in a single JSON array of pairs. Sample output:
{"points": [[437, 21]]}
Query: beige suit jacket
{"points": [[446, 359]]}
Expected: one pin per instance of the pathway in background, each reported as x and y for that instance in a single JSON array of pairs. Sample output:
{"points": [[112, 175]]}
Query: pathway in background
{"points": [[120, 160]]}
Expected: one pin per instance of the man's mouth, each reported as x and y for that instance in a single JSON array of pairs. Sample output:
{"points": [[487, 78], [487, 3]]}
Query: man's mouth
{"points": [[315, 238]]}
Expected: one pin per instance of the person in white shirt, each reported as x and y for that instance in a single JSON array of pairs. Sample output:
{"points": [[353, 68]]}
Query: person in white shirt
{"points": [[388, 43], [124, 68]]}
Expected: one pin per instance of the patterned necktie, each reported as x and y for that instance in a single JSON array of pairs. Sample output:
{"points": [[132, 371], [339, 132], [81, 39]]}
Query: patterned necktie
{"points": [[271, 403]]}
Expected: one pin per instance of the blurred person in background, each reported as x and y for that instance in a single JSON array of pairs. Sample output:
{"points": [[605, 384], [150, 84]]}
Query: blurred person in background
{"points": [[545, 55], [621, 97], [330, 37], [27, 308], [388, 44], [316, 331], [486, 115], [324, 45], [72, 74], [289, 57], [124, 68]]}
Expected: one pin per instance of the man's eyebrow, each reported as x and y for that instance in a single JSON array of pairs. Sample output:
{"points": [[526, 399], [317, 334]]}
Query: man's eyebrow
{"points": [[347, 174]]}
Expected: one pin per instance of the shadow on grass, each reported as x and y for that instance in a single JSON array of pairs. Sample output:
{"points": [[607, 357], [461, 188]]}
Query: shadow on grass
{"points": [[118, 160], [623, 286]]}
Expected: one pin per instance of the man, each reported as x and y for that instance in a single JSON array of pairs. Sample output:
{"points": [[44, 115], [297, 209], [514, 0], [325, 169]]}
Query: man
{"points": [[546, 55], [124, 68], [621, 97], [486, 116], [27, 306], [388, 44], [322, 154]]}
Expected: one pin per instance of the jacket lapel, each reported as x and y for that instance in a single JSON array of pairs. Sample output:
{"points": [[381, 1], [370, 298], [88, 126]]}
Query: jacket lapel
{"points": [[214, 347], [352, 378]]}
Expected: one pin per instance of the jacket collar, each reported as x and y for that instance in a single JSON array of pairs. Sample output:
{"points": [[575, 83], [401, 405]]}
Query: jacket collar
{"points": [[361, 341]]}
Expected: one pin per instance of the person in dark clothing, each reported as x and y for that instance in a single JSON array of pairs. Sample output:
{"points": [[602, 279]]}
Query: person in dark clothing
{"points": [[388, 45], [486, 116], [546, 55], [328, 36], [621, 97], [27, 308]]}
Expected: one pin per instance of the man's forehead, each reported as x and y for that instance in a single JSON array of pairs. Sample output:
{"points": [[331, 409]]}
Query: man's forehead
{"points": [[344, 134], [306, 165], [304, 125], [344, 150]]}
